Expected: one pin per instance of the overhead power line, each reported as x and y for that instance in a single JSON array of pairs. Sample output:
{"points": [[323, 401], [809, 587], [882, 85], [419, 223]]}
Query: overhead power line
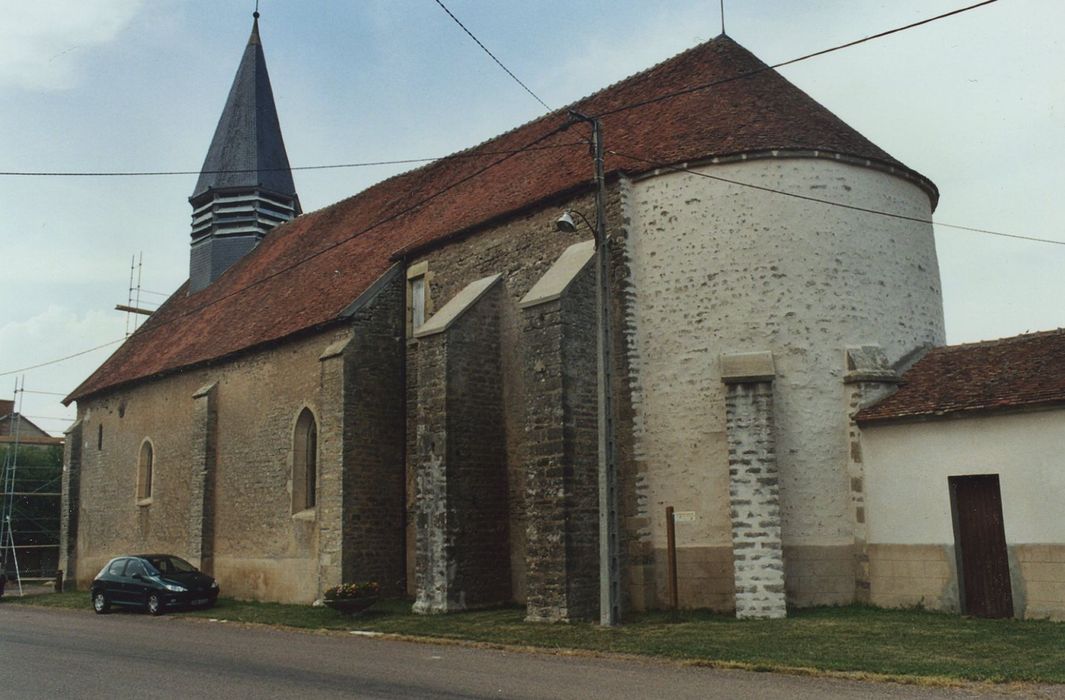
{"points": [[464, 154], [152, 326], [534, 145], [60, 359], [492, 55], [365, 164], [822, 52], [808, 198]]}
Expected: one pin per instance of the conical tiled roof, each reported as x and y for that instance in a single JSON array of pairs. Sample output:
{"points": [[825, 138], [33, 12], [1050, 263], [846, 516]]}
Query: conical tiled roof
{"points": [[247, 149], [306, 272]]}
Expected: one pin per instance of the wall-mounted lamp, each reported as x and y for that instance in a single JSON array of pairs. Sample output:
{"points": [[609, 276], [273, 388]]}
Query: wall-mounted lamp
{"points": [[567, 224]]}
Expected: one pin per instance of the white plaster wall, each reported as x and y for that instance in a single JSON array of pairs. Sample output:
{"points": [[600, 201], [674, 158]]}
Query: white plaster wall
{"points": [[717, 267], [907, 466]]}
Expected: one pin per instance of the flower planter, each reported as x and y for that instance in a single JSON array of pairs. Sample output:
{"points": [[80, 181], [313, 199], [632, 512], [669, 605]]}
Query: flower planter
{"points": [[351, 606]]}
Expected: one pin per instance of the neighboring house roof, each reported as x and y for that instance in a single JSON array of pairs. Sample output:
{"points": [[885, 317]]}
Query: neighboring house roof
{"points": [[247, 149], [1019, 372], [10, 421], [270, 294]]}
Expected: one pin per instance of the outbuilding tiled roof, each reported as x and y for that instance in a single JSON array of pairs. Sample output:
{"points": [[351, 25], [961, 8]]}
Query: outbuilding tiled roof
{"points": [[306, 272], [1019, 372]]}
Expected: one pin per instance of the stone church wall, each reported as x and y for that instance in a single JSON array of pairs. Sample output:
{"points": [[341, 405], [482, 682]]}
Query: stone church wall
{"points": [[261, 550], [521, 250], [373, 492], [718, 268]]}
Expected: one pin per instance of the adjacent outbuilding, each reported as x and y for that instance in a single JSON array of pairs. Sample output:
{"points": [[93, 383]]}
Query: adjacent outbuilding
{"points": [[964, 471]]}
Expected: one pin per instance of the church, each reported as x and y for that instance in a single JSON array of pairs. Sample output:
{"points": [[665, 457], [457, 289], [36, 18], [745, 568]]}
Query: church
{"points": [[402, 386]]}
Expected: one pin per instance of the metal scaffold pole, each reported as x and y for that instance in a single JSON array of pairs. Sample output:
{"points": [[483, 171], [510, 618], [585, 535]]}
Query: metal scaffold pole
{"points": [[7, 537]]}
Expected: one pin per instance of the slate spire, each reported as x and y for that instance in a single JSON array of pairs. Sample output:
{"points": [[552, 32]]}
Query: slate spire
{"points": [[245, 186]]}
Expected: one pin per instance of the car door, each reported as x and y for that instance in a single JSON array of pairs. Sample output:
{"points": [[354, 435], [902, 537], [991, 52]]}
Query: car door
{"points": [[136, 582], [114, 581]]}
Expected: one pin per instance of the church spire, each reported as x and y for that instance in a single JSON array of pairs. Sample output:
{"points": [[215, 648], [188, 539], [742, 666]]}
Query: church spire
{"points": [[245, 187]]}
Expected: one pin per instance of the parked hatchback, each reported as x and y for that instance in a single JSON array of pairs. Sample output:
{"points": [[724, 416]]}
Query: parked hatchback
{"points": [[153, 582]]}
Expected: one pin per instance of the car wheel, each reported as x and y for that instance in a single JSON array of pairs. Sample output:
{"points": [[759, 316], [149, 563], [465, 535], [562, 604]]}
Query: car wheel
{"points": [[155, 606], [100, 603]]}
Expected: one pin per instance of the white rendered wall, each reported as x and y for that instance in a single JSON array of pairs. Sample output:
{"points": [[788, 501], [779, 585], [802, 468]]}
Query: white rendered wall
{"points": [[720, 268], [907, 466]]}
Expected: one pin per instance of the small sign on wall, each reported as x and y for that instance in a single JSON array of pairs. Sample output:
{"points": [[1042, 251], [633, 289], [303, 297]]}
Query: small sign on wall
{"points": [[684, 516]]}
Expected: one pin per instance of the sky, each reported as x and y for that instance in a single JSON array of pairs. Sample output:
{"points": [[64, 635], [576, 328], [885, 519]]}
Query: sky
{"points": [[975, 102]]}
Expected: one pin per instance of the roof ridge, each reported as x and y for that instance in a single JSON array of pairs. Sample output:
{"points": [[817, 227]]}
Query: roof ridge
{"points": [[561, 110], [1020, 337]]}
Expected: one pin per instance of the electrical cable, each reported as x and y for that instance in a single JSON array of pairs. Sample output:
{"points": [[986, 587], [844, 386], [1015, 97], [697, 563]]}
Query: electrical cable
{"points": [[150, 326], [533, 146], [822, 52], [492, 55], [60, 359], [795, 195], [155, 173], [407, 161]]}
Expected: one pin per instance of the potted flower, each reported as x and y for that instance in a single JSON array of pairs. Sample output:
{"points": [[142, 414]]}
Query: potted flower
{"points": [[351, 598]]}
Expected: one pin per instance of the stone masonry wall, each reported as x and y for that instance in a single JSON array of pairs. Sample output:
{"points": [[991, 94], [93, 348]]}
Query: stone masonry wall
{"points": [[717, 267], [521, 249], [582, 442], [70, 505], [462, 512], [754, 497], [205, 456], [374, 444], [261, 550], [562, 551]]}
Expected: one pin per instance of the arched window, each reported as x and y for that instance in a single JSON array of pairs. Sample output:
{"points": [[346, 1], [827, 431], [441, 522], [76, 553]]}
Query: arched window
{"points": [[145, 467], [304, 462]]}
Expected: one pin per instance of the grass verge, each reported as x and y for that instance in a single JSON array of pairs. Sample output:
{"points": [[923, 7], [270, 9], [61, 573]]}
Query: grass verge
{"points": [[907, 644]]}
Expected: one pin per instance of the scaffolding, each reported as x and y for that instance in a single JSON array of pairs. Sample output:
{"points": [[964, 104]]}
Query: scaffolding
{"points": [[30, 497]]}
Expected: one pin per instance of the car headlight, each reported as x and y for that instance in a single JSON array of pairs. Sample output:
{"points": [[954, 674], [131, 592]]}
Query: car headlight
{"points": [[214, 584], [174, 587]]}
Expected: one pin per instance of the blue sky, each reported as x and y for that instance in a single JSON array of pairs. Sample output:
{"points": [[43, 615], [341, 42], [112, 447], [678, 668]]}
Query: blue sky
{"points": [[974, 102]]}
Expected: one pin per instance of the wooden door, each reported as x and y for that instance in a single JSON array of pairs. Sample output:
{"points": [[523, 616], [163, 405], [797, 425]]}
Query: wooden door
{"points": [[980, 541]]}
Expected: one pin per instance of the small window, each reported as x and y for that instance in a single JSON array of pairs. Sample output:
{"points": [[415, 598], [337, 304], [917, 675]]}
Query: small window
{"points": [[145, 469], [305, 462], [417, 302], [100, 437]]}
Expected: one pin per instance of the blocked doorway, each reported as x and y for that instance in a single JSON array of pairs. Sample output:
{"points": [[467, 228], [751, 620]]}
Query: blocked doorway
{"points": [[980, 545]]}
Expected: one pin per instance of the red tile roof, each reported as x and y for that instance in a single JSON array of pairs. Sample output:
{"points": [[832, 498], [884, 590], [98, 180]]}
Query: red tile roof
{"points": [[270, 294], [1023, 371]]}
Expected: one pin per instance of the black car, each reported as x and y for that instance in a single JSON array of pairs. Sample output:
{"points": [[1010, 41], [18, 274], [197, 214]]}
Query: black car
{"points": [[153, 582]]}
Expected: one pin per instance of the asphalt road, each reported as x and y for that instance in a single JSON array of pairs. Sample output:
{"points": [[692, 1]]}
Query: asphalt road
{"points": [[69, 654]]}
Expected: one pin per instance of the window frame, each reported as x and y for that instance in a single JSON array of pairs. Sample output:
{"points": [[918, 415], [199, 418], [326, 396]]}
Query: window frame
{"points": [[419, 299], [305, 463], [146, 472]]}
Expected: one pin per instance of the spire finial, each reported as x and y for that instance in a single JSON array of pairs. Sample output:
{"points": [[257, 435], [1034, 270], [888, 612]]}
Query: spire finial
{"points": [[254, 38], [722, 15]]}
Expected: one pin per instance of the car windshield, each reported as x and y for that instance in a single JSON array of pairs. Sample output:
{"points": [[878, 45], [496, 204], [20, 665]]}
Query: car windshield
{"points": [[170, 565]]}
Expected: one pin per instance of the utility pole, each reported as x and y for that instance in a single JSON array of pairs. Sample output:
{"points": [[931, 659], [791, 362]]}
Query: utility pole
{"points": [[609, 557]]}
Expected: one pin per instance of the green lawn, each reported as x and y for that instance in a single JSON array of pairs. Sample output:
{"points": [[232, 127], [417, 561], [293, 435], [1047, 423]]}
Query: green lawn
{"points": [[900, 643]]}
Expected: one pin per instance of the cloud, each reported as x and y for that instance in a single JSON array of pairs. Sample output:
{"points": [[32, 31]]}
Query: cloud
{"points": [[56, 332], [44, 41]]}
